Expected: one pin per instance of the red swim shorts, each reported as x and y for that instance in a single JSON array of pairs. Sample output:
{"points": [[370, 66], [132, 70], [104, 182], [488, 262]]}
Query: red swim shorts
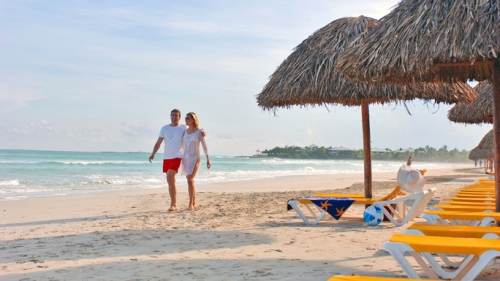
{"points": [[171, 164]]}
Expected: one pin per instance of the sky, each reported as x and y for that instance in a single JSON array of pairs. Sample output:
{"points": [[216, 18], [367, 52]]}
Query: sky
{"points": [[104, 76]]}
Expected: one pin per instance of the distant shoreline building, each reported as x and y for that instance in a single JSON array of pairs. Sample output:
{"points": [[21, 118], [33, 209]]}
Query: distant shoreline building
{"points": [[334, 151]]}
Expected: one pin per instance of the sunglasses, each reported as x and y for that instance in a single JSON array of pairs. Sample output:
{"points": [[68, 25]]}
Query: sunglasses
{"points": [[188, 118]]}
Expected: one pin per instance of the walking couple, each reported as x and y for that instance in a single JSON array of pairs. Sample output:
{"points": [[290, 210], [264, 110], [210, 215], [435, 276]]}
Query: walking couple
{"points": [[182, 145]]}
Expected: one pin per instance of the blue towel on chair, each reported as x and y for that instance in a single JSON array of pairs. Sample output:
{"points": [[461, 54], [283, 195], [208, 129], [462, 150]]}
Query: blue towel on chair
{"points": [[336, 207]]}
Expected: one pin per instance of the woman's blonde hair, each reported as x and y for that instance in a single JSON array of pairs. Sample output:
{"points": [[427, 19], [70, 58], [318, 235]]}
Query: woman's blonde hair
{"points": [[195, 119]]}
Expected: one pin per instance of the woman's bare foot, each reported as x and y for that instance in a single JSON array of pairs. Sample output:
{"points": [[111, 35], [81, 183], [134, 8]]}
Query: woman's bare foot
{"points": [[172, 209], [192, 207]]}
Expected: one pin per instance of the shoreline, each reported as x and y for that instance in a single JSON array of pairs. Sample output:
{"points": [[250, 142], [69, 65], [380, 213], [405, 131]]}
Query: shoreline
{"points": [[240, 231], [260, 184]]}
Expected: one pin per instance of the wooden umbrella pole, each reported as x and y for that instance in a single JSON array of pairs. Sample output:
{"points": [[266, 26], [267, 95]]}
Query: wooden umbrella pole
{"points": [[365, 116], [496, 129]]}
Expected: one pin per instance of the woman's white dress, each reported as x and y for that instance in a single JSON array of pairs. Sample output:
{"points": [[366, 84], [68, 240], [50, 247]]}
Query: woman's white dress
{"points": [[191, 152]]}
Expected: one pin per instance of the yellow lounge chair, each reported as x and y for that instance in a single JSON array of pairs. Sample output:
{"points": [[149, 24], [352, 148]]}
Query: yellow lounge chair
{"points": [[464, 208], [472, 195], [471, 200], [479, 185], [398, 216], [476, 187], [476, 190], [461, 218], [464, 231], [318, 207], [488, 181], [480, 251], [467, 203], [361, 199]]}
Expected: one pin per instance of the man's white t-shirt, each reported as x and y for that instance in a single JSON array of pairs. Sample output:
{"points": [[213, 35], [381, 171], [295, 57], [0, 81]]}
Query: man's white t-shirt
{"points": [[172, 138]]}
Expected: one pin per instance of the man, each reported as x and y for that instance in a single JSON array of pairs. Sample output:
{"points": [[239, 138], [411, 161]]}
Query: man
{"points": [[490, 163], [172, 134]]}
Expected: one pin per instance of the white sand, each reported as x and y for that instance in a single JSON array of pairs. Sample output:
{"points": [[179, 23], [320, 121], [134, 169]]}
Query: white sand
{"points": [[241, 231]]}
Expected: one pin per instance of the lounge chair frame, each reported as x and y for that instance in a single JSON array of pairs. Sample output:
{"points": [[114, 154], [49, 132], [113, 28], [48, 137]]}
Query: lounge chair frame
{"points": [[398, 216], [485, 218], [313, 211], [467, 269]]}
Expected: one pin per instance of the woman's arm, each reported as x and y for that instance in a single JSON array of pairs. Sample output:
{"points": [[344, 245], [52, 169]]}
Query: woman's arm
{"points": [[205, 149]]}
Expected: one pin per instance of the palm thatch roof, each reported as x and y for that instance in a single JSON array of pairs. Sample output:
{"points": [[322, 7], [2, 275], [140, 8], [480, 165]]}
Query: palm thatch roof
{"points": [[478, 153], [308, 76], [488, 141], [417, 35], [479, 111]]}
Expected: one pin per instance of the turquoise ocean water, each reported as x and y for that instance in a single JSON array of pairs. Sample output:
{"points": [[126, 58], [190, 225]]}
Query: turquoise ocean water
{"points": [[30, 173]]}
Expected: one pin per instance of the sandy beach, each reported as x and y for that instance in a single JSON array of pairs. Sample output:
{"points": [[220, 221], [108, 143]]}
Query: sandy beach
{"points": [[240, 231]]}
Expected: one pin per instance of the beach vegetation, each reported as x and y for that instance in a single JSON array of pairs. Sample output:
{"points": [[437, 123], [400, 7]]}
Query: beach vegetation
{"points": [[427, 153]]}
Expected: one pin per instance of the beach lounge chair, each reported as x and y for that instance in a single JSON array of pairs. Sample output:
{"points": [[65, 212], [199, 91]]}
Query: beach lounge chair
{"points": [[467, 203], [464, 231], [480, 253], [398, 216], [487, 192], [476, 187], [483, 189], [470, 200], [403, 214], [361, 199], [316, 214], [479, 185], [318, 207], [474, 195], [464, 208], [485, 218], [488, 181]]}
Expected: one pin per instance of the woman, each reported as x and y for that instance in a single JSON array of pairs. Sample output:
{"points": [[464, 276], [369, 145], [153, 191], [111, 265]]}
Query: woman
{"points": [[191, 155]]}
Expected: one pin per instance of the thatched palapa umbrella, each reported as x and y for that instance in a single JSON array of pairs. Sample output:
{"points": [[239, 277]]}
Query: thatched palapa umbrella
{"points": [[487, 144], [478, 153], [434, 40], [487, 141], [479, 111], [308, 77]]}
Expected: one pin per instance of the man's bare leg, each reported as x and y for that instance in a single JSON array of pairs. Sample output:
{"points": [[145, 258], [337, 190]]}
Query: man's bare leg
{"points": [[172, 190]]}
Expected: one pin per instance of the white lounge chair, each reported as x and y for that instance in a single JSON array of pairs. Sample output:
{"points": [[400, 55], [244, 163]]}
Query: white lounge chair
{"points": [[403, 214], [485, 218], [462, 231], [318, 207], [479, 252], [398, 216]]}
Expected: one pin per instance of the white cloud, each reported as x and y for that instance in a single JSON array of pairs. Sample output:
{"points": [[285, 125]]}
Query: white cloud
{"points": [[12, 99], [105, 76], [137, 129]]}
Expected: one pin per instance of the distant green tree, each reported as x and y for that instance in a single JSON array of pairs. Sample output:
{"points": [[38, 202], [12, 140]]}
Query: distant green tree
{"points": [[426, 153]]}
